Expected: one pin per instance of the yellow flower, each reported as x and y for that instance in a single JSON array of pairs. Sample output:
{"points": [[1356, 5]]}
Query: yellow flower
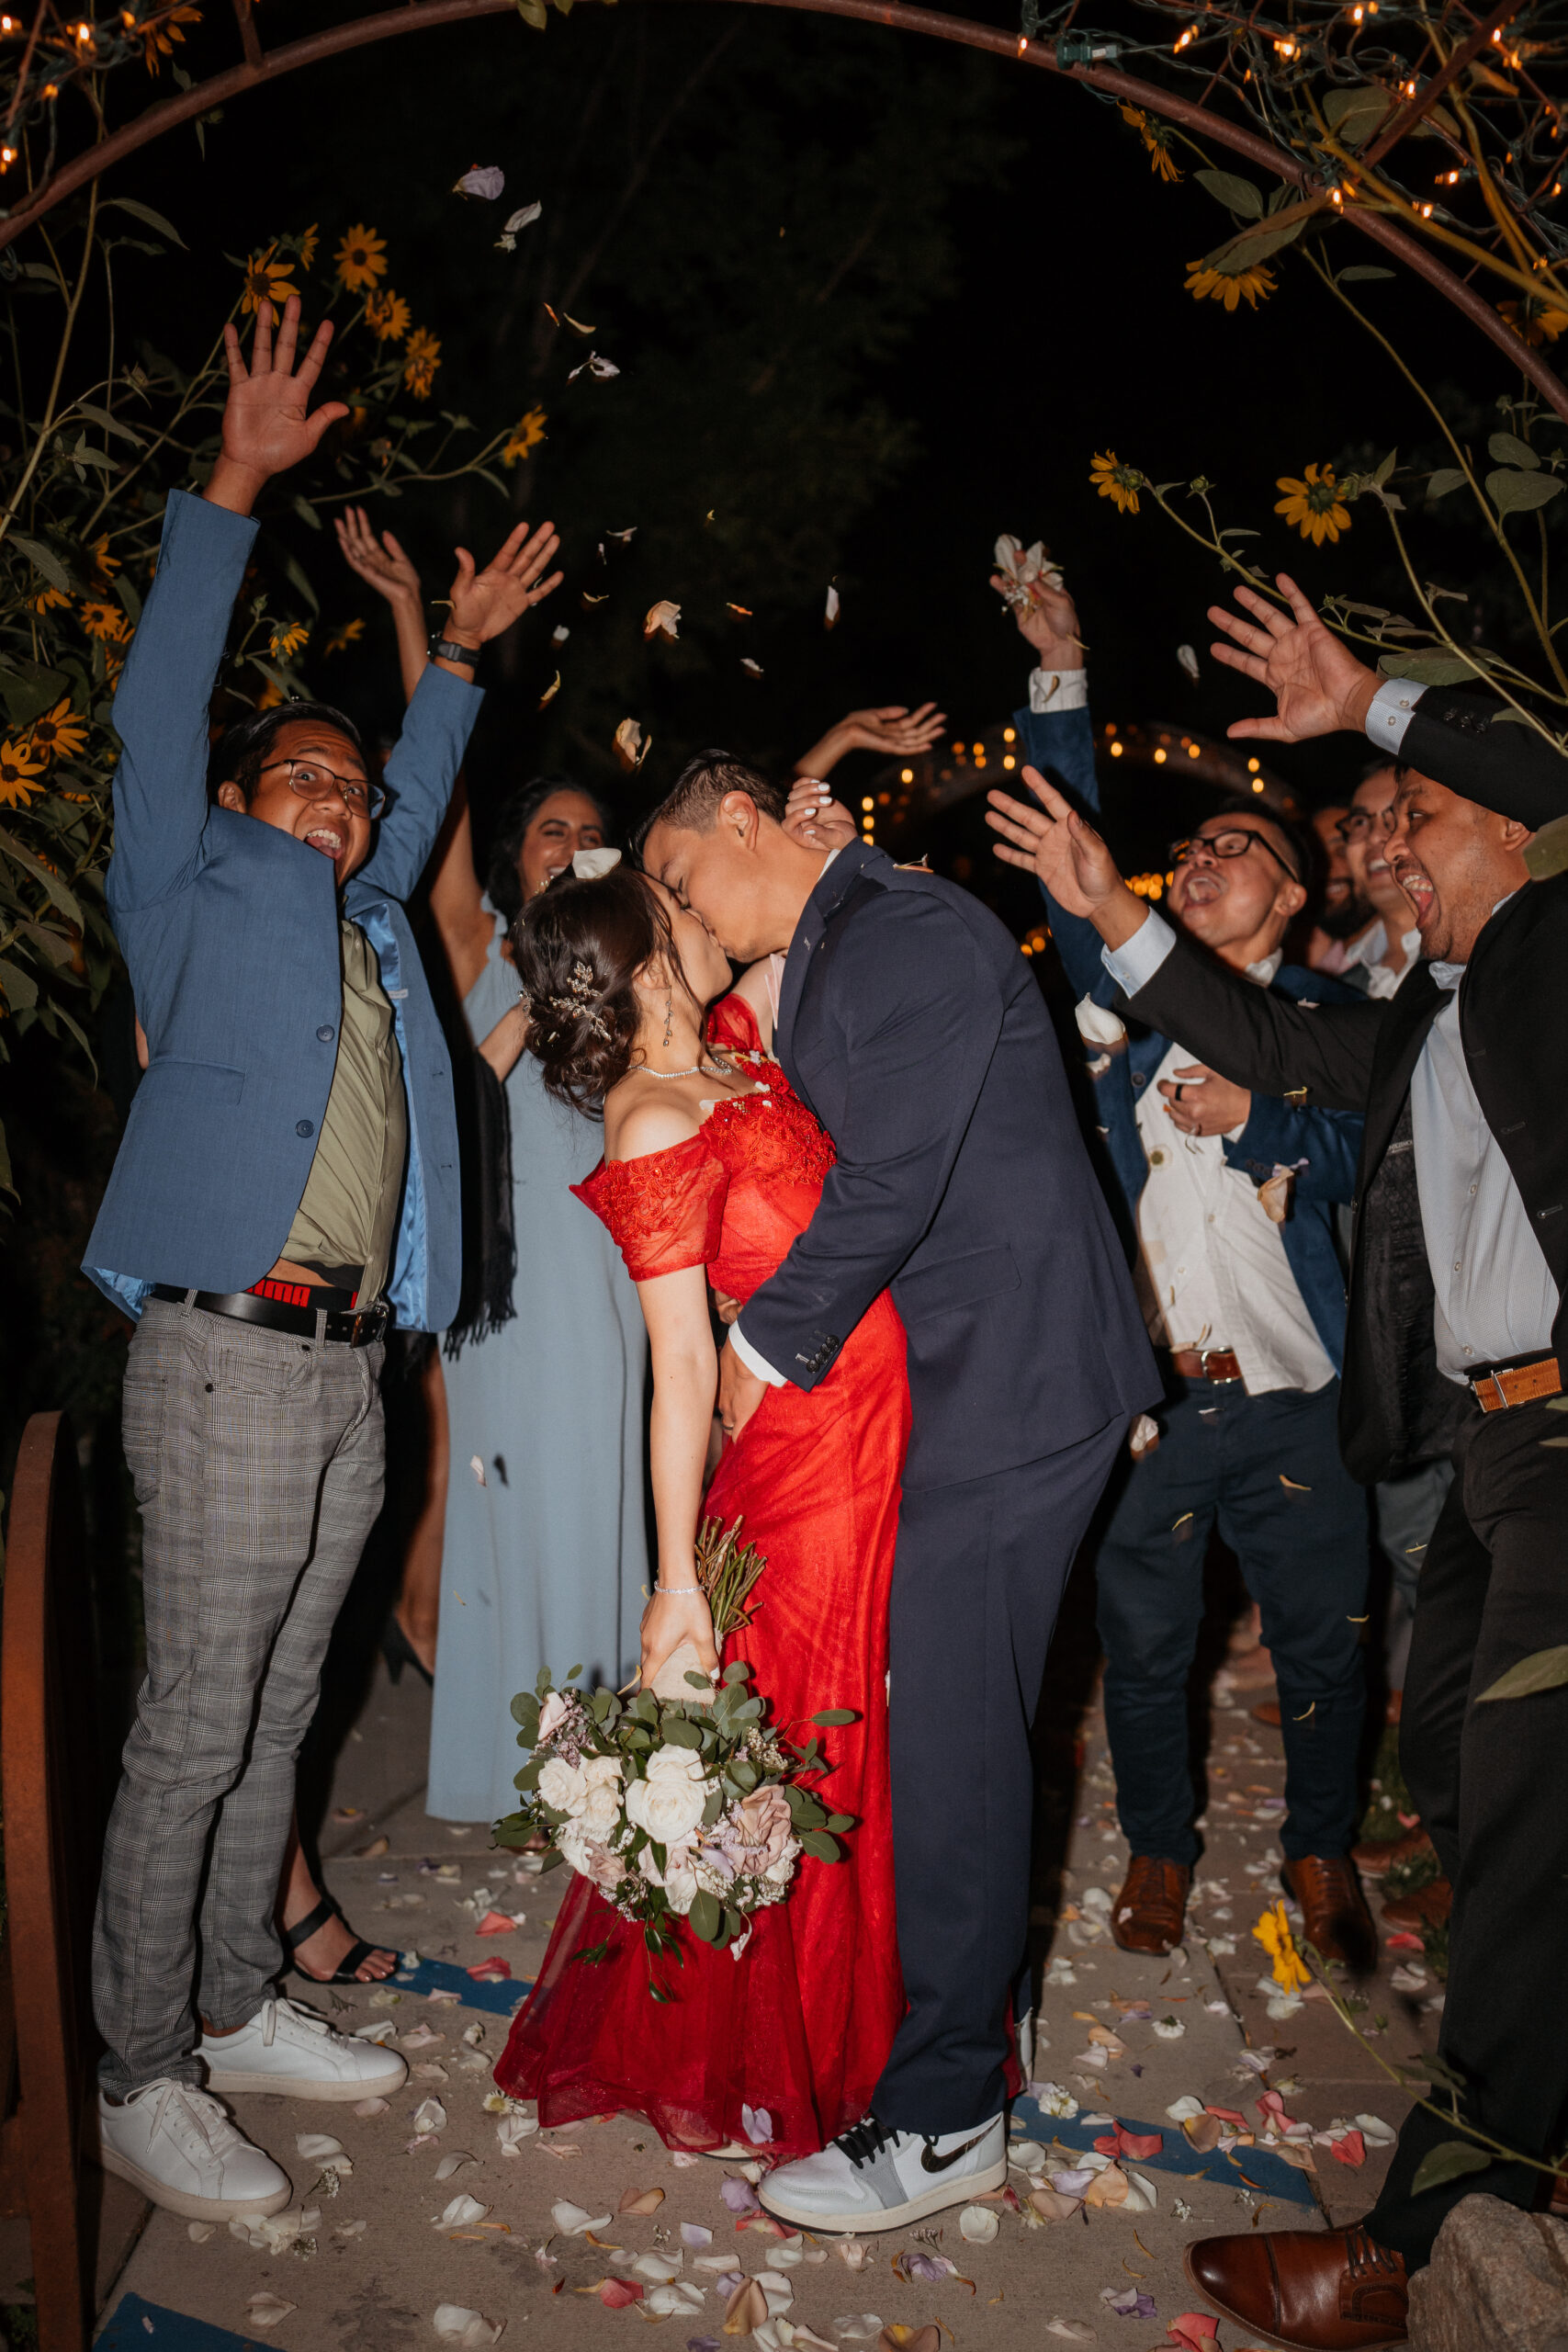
{"points": [[269, 696], [1157, 138], [1273, 1932], [308, 243], [266, 281], [1116, 481], [423, 359], [361, 259], [1534, 322], [1314, 505], [1255, 283], [20, 771], [159, 37], [114, 663], [57, 735], [287, 640], [47, 599], [525, 436], [105, 620], [349, 634], [103, 563], [387, 315]]}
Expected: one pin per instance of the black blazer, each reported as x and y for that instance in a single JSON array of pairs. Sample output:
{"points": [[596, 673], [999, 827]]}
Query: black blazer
{"points": [[912, 1026], [1394, 1406]]}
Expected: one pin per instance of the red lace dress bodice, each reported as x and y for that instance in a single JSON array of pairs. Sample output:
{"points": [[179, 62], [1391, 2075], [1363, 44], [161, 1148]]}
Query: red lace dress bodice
{"points": [[798, 2030]]}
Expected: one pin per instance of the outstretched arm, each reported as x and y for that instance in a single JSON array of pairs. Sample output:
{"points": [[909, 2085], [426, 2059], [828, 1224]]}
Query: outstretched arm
{"points": [[892, 729], [1318, 685], [381, 564]]}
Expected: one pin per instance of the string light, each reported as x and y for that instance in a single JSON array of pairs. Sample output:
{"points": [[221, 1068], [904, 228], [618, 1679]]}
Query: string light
{"points": [[1253, 766], [1159, 759], [1194, 751], [1008, 760], [1285, 47], [1257, 784], [906, 776], [1117, 750], [1183, 39], [1010, 735], [868, 803]]}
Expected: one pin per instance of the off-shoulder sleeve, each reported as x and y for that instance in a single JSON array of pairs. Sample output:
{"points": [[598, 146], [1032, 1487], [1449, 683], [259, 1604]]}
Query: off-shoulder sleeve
{"points": [[733, 1022], [663, 1211]]}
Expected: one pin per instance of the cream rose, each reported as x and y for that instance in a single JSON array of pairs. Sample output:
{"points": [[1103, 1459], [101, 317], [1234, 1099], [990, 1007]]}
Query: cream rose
{"points": [[601, 1800], [589, 1859], [669, 1803], [678, 1877], [763, 1822], [552, 1715], [562, 1786]]}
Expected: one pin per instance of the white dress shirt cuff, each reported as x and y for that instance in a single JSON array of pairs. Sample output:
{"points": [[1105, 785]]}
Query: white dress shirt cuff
{"points": [[1058, 690], [1389, 713], [754, 1362], [1134, 965]]}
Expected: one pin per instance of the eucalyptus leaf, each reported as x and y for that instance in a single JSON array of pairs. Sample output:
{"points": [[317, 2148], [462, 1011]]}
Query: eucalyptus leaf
{"points": [[1515, 493], [1450, 2160], [1509, 450], [826, 1715], [706, 1916], [1237, 195], [1542, 1670]]}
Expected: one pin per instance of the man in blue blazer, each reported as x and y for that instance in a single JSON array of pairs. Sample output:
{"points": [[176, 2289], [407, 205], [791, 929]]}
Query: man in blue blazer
{"points": [[909, 1023], [286, 1186], [1231, 1195]]}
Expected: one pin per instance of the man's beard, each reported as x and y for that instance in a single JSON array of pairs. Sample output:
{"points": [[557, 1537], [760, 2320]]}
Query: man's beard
{"points": [[1345, 919]]}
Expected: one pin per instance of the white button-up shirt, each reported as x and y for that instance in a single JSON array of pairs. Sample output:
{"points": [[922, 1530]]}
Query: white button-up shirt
{"points": [[1368, 953]]}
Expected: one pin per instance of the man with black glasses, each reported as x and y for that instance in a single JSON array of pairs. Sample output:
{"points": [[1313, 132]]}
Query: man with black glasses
{"points": [[286, 1186], [1231, 1198], [1384, 951]]}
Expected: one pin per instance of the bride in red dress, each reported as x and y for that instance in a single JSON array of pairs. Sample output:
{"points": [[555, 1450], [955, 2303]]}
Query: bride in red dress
{"points": [[712, 1168]]}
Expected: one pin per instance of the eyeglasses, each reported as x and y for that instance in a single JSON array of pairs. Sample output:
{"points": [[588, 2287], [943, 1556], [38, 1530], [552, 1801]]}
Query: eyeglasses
{"points": [[311, 781], [1357, 823], [1233, 841]]}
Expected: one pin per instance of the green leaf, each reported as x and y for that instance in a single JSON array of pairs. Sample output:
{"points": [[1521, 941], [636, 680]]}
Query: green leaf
{"points": [[1235, 195], [20, 988], [1449, 2160], [1447, 477], [1544, 856], [1431, 669], [1354, 114], [1515, 493], [838, 1822], [1542, 1670], [835, 1715], [306, 513], [819, 1846], [45, 560], [572, 1672], [1509, 450], [1360, 270], [1386, 468], [1251, 248], [58, 1013], [29, 692], [706, 1916], [532, 13], [680, 1733], [300, 579], [145, 214], [56, 888]]}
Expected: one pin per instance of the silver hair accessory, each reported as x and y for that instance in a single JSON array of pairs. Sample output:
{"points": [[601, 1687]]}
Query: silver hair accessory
{"points": [[582, 989], [592, 864]]}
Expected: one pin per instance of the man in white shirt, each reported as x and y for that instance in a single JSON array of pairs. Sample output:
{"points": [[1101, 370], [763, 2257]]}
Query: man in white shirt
{"points": [[1457, 1290], [1384, 953]]}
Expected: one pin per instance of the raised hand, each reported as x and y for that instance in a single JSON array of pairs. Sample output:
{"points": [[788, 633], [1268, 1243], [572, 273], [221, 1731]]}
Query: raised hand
{"points": [[1054, 842], [892, 729], [813, 817], [376, 557], [266, 426], [1048, 621], [1318, 685], [485, 603]]}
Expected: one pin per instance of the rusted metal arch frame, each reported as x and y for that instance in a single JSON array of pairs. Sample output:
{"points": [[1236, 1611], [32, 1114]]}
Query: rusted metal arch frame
{"points": [[423, 14]]}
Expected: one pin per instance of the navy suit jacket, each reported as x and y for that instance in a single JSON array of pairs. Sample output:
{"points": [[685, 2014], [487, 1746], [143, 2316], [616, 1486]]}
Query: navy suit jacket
{"points": [[230, 931], [1277, 1132], [911, 1025]]}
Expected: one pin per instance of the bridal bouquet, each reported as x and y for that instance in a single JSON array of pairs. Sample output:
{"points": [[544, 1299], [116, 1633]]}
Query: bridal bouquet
{"points": [[676, 1809]]}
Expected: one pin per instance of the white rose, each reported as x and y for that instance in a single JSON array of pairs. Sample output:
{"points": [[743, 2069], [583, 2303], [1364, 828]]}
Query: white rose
{"points": [[552, 1715], [779, 1873], [601, 1810], [589, 1859], [562, 1786], [678, 1877], [669, 1803]]}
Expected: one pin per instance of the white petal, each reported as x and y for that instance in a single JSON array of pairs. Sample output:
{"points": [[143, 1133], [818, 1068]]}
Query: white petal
{"points": [[265, 2310], [449, 2165], [572, 2221], [978, 2224], [461, 2214]]}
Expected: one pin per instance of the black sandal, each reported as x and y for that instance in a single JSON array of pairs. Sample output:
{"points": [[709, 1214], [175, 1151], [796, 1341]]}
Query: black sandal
{"points": [[358, 1953]]}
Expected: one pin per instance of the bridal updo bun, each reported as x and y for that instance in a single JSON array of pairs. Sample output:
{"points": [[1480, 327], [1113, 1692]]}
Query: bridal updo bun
{"points": [[579, 946]]}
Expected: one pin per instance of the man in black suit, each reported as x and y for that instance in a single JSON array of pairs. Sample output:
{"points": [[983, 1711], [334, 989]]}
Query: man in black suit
{"points": [[911, 1025], [1459, 1263]]}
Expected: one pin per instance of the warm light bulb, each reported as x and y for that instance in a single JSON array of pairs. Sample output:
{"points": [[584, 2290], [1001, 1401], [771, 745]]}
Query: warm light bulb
{"points": [[1009, 735], [1194, 751], [868, 802], [1008, 760], [1257, 784], [906, 776], [1117, 750], [1159, 759], [1253, 766]]}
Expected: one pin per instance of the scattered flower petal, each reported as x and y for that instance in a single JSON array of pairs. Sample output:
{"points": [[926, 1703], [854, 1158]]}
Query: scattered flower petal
{"points": [[645, 2200], [978, 2224], [484, 180], [469, 2329], [461, 2214], [265, 2311], [430, 2116], [450, 2165], [662, 619], [497, 1923], [572, 2220], [490, 1971]]}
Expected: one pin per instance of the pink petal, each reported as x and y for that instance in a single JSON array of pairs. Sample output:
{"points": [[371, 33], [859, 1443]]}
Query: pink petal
{"points": [[1350, 2149], [495, 1923], [490, 1971]]}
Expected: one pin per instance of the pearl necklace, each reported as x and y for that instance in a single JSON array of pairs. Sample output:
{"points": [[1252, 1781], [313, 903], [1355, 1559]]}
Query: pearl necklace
{"points": [[715, 1067]]}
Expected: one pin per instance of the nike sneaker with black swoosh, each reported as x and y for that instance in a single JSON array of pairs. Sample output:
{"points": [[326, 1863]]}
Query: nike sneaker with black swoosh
{"points": [[872, 2178]]}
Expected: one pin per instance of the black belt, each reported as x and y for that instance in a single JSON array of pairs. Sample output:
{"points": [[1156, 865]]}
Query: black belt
{"points": [[357, 1327]]}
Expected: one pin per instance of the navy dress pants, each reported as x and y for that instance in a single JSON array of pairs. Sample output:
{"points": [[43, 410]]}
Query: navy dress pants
{"points": [[1266, 1471], [976, 1585]]}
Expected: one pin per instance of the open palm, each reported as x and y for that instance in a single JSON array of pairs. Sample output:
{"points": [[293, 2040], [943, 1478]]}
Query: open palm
{"points": [[1317, 683], [267, 428]]}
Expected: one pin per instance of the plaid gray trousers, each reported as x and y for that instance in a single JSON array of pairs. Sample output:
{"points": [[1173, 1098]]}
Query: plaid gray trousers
{"points": [[257, 1460]]}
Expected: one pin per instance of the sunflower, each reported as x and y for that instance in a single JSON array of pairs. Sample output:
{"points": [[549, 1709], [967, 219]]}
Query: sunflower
{"points": [[266, 281], [1256, 284], [47, 599], [287, 640], [310, 239], [1157, 138], [1313, 506], [1116, 481], [423, 359], [361, 259], [269, 696], [105, 620], [57, 735], [387, 315], [114, 663], [158, 37], [1534, 322], [103, 563], [525, 436], [341, 638], [20, 769]]}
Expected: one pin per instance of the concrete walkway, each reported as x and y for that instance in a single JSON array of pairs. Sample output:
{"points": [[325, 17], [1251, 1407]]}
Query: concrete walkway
{"points": [[366, 2256]]}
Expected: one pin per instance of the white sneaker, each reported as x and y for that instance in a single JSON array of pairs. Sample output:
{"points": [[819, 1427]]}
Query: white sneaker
{"points": [[873, 2178], [178, 2147], [288, 2049]]}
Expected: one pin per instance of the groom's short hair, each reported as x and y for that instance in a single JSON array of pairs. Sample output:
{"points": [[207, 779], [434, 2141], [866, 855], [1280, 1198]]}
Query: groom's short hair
{"points": [[692, 802]]}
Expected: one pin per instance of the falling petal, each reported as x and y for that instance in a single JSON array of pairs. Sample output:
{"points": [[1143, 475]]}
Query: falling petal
{"points": [[662, 619], [1189, 661], [631, 747], [484, 180], [753, 669], [477, 1466], [742, 612], [830, 610]]}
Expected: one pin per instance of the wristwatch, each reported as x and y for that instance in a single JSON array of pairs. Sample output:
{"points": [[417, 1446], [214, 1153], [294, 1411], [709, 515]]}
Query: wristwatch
{"points": [[446, 649]]}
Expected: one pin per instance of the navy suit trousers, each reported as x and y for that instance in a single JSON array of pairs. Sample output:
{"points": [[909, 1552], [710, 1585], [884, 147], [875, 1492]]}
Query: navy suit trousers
{"points": [[976, 1585]]}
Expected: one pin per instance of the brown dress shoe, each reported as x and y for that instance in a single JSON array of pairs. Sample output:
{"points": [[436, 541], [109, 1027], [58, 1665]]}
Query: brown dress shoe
{"points": [[1373, 1856], [1317, 2290], [1336, 1922], [1427, 1907], [1148, 1914]]}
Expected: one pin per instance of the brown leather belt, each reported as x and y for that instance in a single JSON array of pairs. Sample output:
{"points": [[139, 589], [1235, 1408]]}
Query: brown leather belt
{"points": [[358, 1329], [1518, 1384], [1218, 1364]]}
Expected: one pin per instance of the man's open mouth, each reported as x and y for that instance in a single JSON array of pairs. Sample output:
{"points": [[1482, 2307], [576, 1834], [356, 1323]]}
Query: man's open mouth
{"points": [[327, 839], [1419, 889], [1203, 887]]}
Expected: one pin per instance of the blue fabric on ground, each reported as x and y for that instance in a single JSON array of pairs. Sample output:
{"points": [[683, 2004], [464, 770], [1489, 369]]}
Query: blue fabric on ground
{"points": [[499, 1994], [1251, 2167], [136, 2326]]}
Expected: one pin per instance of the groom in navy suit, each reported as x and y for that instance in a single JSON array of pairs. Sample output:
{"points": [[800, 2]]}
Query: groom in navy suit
{"points": [[911, 1025]]}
